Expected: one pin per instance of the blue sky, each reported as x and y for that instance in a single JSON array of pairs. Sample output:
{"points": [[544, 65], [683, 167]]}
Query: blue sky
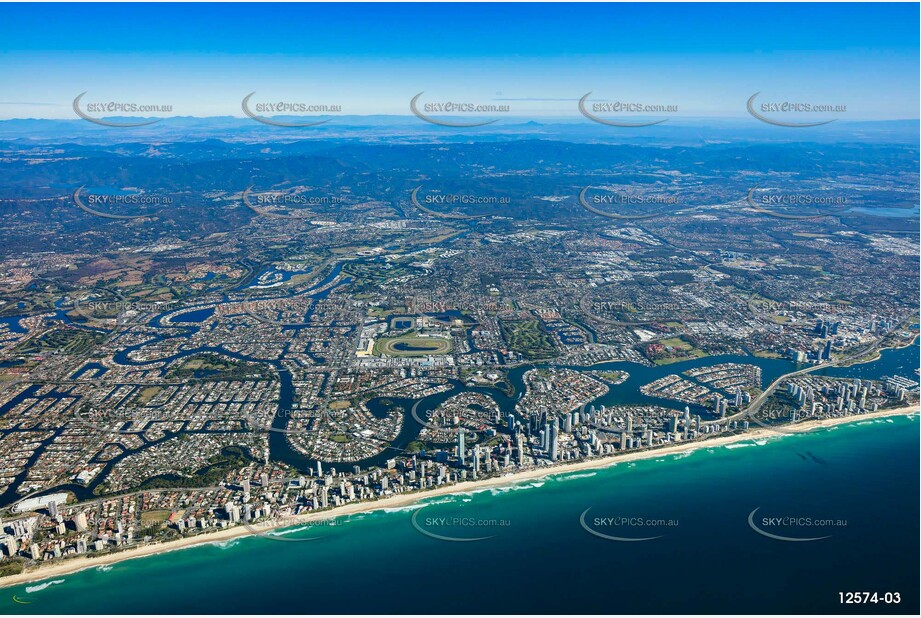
{"points": [[372, 58]]}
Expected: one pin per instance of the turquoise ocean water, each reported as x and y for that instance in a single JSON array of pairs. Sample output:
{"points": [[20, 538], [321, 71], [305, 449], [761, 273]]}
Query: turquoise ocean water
{"points": [[545, 544], [541, 559]]}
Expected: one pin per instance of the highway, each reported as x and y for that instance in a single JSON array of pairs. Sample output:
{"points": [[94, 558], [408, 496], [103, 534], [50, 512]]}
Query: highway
{"points": [[756, 404]]}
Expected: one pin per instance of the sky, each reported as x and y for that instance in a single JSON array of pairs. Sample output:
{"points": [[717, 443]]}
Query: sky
{"points": [[539, 59]]}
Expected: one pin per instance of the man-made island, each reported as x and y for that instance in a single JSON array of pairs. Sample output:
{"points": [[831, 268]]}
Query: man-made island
{"points": [[285, 503]]}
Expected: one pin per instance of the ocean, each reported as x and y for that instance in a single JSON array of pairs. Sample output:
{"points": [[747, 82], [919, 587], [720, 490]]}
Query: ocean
{"points": [[546, 546]]}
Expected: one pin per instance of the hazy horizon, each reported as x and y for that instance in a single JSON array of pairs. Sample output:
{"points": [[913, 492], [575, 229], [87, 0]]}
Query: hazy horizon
{"points": [[372, 59]]}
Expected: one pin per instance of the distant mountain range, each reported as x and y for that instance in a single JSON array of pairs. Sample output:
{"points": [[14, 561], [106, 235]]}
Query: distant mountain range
{"points": [[409, 129]]}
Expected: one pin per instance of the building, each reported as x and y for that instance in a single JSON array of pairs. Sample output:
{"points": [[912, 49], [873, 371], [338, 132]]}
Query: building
{"points": [[461, 447], [555, 440]]}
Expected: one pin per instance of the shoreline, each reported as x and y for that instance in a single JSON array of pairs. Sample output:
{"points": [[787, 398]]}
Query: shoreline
{"points": [[74, 565], [879, 353]]}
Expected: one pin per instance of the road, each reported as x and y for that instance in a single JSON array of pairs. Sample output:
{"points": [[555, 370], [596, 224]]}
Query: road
{"points": [[756, 404]]}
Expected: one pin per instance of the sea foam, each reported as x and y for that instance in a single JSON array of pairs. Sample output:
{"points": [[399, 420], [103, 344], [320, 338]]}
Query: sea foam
{"points": [[31, 589]]}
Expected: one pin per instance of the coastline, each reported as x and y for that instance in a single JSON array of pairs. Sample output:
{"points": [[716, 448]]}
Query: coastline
{"points": [[879, 352], [74, 565]]}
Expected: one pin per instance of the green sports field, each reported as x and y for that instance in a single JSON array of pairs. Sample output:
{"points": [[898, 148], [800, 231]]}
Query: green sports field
{"points": [[412, 346]]}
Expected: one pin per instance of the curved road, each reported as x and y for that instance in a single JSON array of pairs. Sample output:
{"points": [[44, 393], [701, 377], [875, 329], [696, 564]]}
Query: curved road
{"points": [[756, 404]]}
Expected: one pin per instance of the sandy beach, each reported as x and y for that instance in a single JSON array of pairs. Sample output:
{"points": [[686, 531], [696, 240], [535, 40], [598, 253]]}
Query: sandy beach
{"points": [[77, 564]]}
